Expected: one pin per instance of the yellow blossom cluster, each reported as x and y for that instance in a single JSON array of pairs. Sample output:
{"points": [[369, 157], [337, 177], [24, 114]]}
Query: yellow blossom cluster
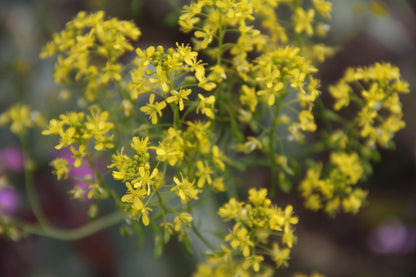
{"points": [[335, 190], [178, 149], [75, 130], [276, 74], [88, 50], [373, 93], [157, 72], [212, 20], [257, 224], [21, 117], [379, 114], [137, 175], [155, 68]]}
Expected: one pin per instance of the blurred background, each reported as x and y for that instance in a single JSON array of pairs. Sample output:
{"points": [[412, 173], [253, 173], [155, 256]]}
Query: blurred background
{"points": [[379, 241]]}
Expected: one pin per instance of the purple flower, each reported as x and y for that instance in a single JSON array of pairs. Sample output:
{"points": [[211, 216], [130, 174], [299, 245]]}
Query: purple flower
{"points": [[82, 176], [11, 158], [9, 201], [393, 237]]}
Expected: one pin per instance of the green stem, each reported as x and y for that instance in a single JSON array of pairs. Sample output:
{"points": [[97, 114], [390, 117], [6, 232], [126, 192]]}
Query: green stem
{"points": [[102, 181], [159, 198], [30, 190], [76, 233], [314, 149], [201, 237], [272, 144], [220, 40], [322, 113], [176, 116], [272, 134]]}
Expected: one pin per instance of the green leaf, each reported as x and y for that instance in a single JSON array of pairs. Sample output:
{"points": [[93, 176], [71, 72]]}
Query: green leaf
{"points": [[284, 184], [235, 131], [166, 235], [158, 247], [186, 242]]}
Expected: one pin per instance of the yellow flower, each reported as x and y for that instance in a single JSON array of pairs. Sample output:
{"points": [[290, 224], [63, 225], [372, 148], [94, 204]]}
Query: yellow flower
{"points": [[77, 193], [89, 38], [206, 105], [240, 239], [178, 97], [303, 20], [54, 127], [253, 261], [349, 164], [96, 192], [217, 73], [145, 215], [204, 173], [188, 18], [185, 189], [21, 117], [257, 197], [98, 126], [218, 184], [197, 136], [288, 219], [145, 178], [341, 93], [218, 157], [280, 256], [248, 97], [321, 52], [154, 110], [134, 197], [78, 154], [313, 202], [323, 7], [353, 202], [61, 168], [140, 145], [171, 153], [307, 122], [231, 209], [184, 219]]}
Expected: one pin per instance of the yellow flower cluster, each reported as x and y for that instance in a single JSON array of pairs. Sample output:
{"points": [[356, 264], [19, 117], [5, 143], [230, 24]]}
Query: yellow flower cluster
{"points": [[181, 148], [20, 118], [335, 190], [88, 49], [178, 149], [157, 71], [380, 112], [211, 20], [153, 66], [373, 92], [257, 221], [74, 129], [137, 175], [217, 15], [259, 76], [276, 74]]}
